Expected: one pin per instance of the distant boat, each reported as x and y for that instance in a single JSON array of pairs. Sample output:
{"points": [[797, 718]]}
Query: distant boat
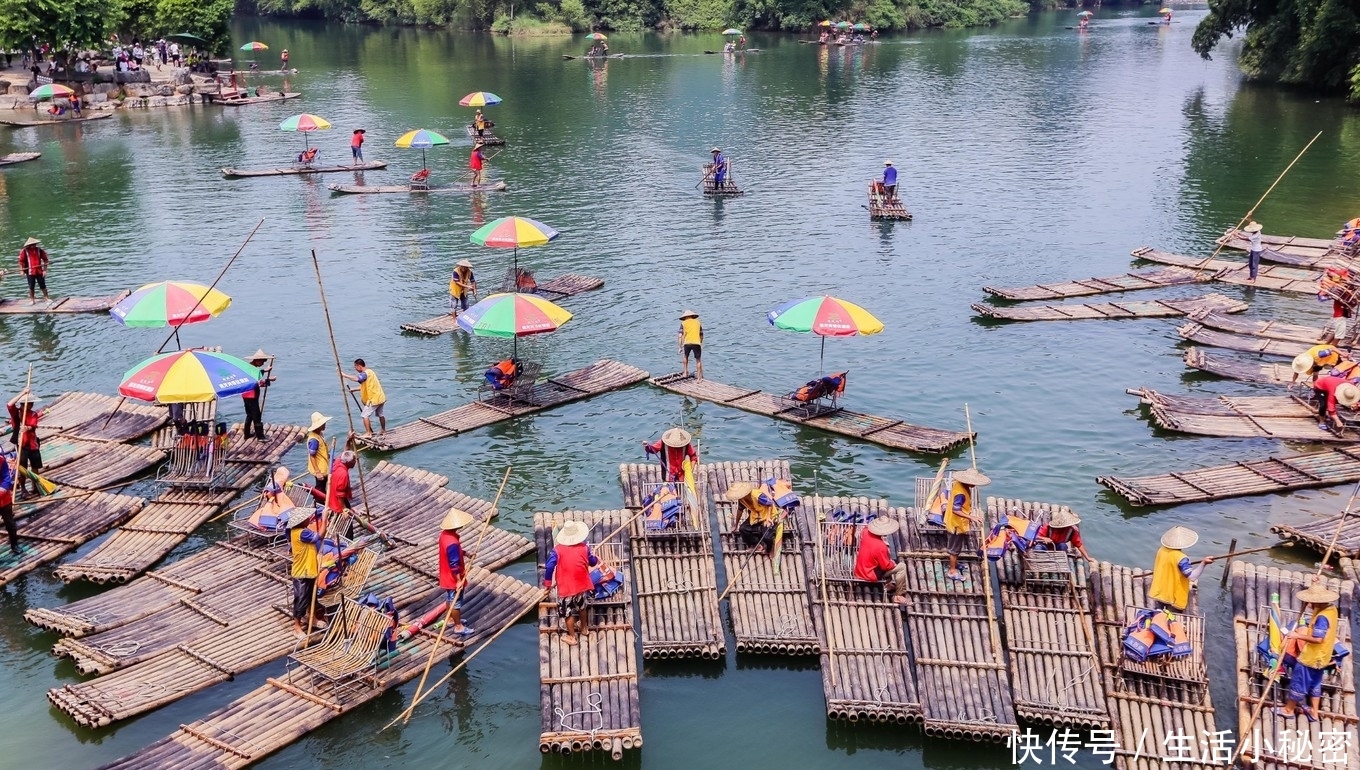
{"points": [[18, 157], [610, 56], [54, 121], [744, 50], [239, 173], [358, 189]]}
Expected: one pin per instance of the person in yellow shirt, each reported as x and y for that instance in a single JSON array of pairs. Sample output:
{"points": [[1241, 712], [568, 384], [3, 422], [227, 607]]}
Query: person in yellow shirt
{"points": [[461, 285], [959, 518], [1314, 639], [371, 396], [691, 342], [306, 547], [1314, 361], [318, 454], [757, 514], [1172, 570]]}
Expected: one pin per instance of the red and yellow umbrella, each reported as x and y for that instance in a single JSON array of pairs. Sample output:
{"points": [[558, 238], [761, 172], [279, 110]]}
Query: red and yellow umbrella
{"points": [[170, 303], [824, 316], [187, 376], [513, 315]]}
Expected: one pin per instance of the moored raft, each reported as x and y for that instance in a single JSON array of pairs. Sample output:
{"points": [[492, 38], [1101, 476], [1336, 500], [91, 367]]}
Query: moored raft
{"points": [[554, 289], [1253, 327], [240, 101], [882, 207], [363, 189], [1054, 672], [1130, 281], [57, 527], [883, 431], [589, 691], [488, 137], [1202, 335], [95, 464], [677, 583], [600, 377], [1275, 742], [1329, 467], [1277, 417], [97, 417], [18, 157], [1260, 373], [243, 173], [1285, 249], [768, 609], [1317, 533], [62, 305], [55, 121], [865, 660], [1160, 308], [1275, 277]]}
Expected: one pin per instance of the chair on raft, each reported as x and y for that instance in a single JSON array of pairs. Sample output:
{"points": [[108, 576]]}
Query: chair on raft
{"points": [[512, 380], [349, 653], [269, 520], [815, 398], [353, 579], [421, 180]]}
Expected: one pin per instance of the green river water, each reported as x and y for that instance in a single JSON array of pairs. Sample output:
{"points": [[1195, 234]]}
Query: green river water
{"points": [[1028, 153]]}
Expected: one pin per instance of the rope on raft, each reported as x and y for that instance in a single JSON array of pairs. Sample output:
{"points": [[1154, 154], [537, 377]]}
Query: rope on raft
{"points": [[118, 649], [594, 703]]}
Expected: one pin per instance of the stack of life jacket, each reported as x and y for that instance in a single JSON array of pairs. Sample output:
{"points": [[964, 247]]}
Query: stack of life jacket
{"points": [[388, 607], [524, 281], [607, 582], [1015, 532], [1336, 284], [1156, 634], [502, 374], [1276, 644], [780, 492], [830, 385], [333, 562], [307, 156], [846, 527], [661, 509]]}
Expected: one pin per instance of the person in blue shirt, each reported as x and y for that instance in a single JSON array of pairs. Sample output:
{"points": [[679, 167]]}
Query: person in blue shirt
{"points": [[7, 502], [719, 168], [889, 179]]}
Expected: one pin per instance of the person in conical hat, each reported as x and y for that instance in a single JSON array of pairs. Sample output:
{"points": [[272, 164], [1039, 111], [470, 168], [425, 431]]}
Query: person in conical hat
{"points": [[889, 181], [318, 455], [253, 399], [690, 340], [453, 566], [569, 566], [719, 168], [959, 517], [1172, 570], [874, 562], [757, 525], [304, 540], [24, 416], [1315, 638], [1329, 391], [462, 286], [33, 263], [1253, 234], [1314, 360], [675, 446], [1061, 533]]}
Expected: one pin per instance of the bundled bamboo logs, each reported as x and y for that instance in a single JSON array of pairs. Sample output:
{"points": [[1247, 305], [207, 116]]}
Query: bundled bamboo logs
{"points": [[1286, 278], [1317, 533], [1249, 477], [1130, 281], [1145, 308], [1258, 372], [86, 416], [61, 526]]}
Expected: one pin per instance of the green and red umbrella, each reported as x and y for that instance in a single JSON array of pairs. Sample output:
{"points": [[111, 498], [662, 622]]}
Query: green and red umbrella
{"points": [[170, 303], [479, 99], [596, 36], [824, 316], [50, 91], [254, 45], [188, 376], [305, 123], [513, 233], [513, 315]]}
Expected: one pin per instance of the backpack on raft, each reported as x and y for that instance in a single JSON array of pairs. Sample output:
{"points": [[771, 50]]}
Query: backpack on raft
{"points": [[388, 607], [606, 581], [330, 574], [662, 509]]}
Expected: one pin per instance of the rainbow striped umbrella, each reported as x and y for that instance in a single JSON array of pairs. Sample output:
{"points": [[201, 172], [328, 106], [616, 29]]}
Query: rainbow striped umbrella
{"points": [[513, 315], [50, 91], [187, 376], [512, 233], [421, 139], [479, 99], [824, 316], [305, 123], [170, 303], [254, 45]]}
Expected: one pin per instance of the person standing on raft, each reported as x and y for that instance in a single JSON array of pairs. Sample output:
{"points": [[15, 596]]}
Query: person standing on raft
{"points": [[7, 472], [460, 286], [569, 564], [1061, 533], [1330, 390], [253, 399], [719, 169], [675, 447], [340, 492], [452, 568], [305, 542], [690, 340], [1314, 639], [318, 455], [23, 423], [874, 562], [477, 161], [1252, 232], [958, 517], [889, 181], [356, 146], [1315, 360], [1172, 572], [372, 397], [33, 263]]}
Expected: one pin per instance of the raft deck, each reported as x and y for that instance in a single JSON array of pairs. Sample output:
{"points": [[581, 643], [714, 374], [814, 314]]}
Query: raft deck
{"points": [[600, 377], [1253, 327], [677, 582], [1049, 634], [235, 735], [55, 528], [768, 609], [884, 208], [1131, 281], [1200, 334], [1277, 742], [554, 289], [1326, 468], [883, 431], [1285, 249], [1233, 369], [360, 189], [243, 173], [1153, 308], [1275, 277], [865, 660], [589, 691], [94, 464], [960, 668], [92, 417], [1317, 532], [1278, 417], [487, 138], [62, 305]]}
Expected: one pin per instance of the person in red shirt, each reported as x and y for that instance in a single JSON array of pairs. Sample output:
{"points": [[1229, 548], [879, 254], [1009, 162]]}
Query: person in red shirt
{"points": [[1062, 534], [874, 562], [339, 494], [33, 263], [569, 564], [477, 161], [1328, 391], [453, 567], [675, 445], [253, 399], [356, 145], [23, 422]]}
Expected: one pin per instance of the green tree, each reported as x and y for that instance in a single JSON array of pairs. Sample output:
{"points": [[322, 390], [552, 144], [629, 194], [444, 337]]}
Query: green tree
{"points": [[62, 24], [1308, 43], [209, 19]]}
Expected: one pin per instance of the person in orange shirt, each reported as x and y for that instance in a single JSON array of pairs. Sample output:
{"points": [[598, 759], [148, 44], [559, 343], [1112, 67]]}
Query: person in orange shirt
{"points": [[356, 145]]}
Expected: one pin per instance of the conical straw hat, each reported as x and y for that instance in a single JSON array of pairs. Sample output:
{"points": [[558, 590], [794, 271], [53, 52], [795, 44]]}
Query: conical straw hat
{"points": [[1064, 518], [1179, 538], [882, 526], [1317, 594], [678, 438], [572, 533], [972, 478], [1302, 364], [1347, 394], [739, 490], [456, 519]]}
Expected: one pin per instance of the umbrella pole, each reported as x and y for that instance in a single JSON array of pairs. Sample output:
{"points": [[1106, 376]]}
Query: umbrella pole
{"points": [[821, 362]]}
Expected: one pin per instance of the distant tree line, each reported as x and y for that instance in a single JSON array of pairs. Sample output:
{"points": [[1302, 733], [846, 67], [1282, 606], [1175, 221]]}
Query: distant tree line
{"points": [[67, 26]]}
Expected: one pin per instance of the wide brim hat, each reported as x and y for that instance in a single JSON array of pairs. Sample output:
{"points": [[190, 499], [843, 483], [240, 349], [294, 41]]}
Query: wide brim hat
{"points": [[572, 533], [1252, 227], [1064, 518], [887, 163], [972, 477], [29, 398], [1179, 538], [688, 314], [360, 131], [259, 355], [32, 242], [882, 526], [299, 516], [739, 490], [319, 420], [281, 475], [463, 263], [1302, 364], [715, 149], [456, 518], [679, 438], [1317, 594], [1347, 394]]}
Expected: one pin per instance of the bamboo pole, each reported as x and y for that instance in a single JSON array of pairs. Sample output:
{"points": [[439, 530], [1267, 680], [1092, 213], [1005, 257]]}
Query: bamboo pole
{"points": [[972, 449], [826, 614], [1246, 217], [1234, 554]]}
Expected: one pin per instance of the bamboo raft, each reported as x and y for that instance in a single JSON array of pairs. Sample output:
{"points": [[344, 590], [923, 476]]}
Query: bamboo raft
{"points": [[1326, 468], [92, 417], [54, 121], [241, 101], [677, 583], [1285, 249], [729, 187], [882, 207], [1233, 369], [1202, 335], [1161, 700], [600, 377], [1053, 667], [1252, 327], [487, 138], [58, 527], [1275, 277], [1316, 533], [1277, 417], [588, 692], [243, 173], [553, 289], [1252, 589], [1152, 308], [960, 668], [62, 305], [1131, 281], [360, 189], [768, 609], [883, 431], [18, 157], [865, 660], [286, 708], [95, 464]]}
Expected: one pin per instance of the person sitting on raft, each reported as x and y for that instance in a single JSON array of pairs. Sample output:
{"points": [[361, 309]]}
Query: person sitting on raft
{"points": [[569, 564], [306, 157], [1061, 533], [502, 374], [674, 447], [874, 562], [1313, 361], [1315, 640], [762, 511]]}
